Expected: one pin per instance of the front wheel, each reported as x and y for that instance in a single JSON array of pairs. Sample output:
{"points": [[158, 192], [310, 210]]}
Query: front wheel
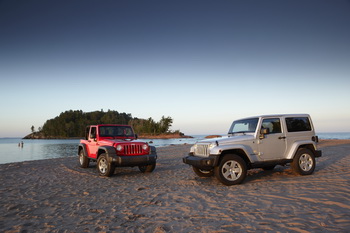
{"points": [[104, 167], [203, 173], [147, 168], [232, 170], [304, 162]]}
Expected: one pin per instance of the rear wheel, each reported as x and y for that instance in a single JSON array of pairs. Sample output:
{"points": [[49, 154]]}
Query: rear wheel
{"points": [[83, 160], [232, 170], [203, 173], [147, 168], [104, 167], [304, 162]]}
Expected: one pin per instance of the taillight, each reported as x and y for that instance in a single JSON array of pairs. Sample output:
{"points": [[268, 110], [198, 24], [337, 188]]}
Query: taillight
{"points": [[314, 138]]}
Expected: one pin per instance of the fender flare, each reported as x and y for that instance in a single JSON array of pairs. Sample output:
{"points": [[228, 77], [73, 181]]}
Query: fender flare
{"points": [[245, 152], [82, 146], [109, 151], [153, 150], [300, 144]]}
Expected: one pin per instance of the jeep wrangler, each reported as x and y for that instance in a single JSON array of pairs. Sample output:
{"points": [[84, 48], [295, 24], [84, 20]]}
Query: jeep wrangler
{"points": [[257, 142], [115, 146]]}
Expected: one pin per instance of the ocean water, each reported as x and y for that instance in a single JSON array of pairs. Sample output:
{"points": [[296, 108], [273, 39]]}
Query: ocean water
{"points": [[12, 151], [342, 135]]}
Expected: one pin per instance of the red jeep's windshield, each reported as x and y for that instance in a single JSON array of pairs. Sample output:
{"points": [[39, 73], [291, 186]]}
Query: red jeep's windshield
{"points": [[116, 131]]}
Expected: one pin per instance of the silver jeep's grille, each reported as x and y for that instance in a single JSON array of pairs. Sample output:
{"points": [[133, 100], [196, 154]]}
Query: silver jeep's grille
{"points": [[202, 150], [133, 149]]}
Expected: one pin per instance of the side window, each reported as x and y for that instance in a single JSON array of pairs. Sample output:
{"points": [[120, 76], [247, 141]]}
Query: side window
{"points": [[93, 132], [273, 124], [297, 124]]}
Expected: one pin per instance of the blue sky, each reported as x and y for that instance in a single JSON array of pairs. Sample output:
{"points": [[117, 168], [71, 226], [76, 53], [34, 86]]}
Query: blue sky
{"points": [[204, 63]]}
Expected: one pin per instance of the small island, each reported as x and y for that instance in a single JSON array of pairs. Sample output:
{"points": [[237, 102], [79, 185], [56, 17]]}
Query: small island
{"points": [[38, 135], [71, 125]]}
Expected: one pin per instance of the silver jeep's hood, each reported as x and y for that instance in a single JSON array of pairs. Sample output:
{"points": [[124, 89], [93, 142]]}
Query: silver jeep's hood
{"points": [[228, 139]]}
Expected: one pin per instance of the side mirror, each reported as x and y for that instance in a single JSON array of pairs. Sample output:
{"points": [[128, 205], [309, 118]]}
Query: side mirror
{"points": [[264, 131], [136, 136]]}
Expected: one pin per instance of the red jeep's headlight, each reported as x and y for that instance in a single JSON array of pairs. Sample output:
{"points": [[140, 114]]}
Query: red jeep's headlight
{"points": [[119, 148], [145, 147]]}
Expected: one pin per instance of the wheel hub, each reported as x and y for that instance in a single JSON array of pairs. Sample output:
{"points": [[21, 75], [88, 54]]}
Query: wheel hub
{"points": [[103, 165], [231, 170], [305, 162]]}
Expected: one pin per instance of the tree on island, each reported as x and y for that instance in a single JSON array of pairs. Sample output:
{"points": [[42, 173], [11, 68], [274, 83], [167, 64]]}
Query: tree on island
{"points": [[72, 123]]}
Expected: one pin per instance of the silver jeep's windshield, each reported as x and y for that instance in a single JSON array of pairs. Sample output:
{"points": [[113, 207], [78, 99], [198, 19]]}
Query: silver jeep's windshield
{"points": [[244, 126]]}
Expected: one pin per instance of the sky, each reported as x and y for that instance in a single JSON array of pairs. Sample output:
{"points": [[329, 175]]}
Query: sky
{"points": [[203, 63]]}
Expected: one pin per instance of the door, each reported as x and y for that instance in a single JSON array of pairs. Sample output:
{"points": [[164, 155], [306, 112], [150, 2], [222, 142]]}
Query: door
{"points": [[273, 145], [92, 142]]}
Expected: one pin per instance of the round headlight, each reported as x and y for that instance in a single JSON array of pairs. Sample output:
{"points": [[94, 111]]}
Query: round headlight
{"points": [[193, 148], [145, 147], [119, 148]]}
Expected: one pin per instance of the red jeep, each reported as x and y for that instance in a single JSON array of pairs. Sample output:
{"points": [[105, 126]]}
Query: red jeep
{"points": [[115, 146]]}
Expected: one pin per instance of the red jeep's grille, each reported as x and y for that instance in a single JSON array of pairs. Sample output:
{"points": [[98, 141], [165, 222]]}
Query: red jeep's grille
{"points": [[133, 149]]}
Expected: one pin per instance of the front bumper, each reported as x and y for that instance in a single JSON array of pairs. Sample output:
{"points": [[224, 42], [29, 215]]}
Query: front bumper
{"points": [[130, 161], [205, 163]]}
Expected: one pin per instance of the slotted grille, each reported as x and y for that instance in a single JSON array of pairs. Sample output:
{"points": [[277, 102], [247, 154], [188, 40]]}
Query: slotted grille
{"points": [[133, 149], [202, 150]]}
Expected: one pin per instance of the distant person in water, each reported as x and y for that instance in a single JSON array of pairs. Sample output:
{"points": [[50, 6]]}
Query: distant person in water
{"points": [[20, 144]]}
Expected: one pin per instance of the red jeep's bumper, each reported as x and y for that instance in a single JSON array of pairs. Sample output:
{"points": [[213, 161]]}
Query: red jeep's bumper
{"points": [[129, 161]]}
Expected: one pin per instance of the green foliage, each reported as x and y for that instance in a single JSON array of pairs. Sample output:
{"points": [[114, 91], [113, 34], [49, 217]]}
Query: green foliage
{"points": [[72, 123]]}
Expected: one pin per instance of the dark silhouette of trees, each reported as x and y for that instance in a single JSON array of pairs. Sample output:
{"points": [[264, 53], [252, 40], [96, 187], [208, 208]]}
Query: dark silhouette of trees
{"points": [[72, 123]]}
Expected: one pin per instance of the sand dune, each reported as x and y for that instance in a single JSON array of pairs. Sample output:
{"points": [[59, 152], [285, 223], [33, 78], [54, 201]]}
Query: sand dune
{"points": [[57, 195]]}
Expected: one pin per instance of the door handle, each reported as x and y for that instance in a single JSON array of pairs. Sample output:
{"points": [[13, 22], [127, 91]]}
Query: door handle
{"points": [[282, 137]]}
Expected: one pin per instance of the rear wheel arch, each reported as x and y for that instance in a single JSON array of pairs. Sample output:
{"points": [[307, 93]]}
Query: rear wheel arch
{"points": [[83, 158], [82, 147], [310, 147], [305, 146]]}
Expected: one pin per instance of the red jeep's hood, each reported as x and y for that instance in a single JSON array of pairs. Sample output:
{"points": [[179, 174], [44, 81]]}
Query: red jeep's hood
{"points": [[123, 141]]}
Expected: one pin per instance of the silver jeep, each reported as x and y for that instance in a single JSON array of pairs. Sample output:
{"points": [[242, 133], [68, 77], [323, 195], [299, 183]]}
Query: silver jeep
{"points": [[257, 142]]}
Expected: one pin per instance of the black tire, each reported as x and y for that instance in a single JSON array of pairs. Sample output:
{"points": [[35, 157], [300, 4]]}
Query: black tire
{"points": [[203, 173], [147, 168], [83, 160], [104, 167], [232, 170], [304, 162]]}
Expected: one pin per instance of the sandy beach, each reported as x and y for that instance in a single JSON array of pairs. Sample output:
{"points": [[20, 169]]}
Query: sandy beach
{"points": [[56, 195]]}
